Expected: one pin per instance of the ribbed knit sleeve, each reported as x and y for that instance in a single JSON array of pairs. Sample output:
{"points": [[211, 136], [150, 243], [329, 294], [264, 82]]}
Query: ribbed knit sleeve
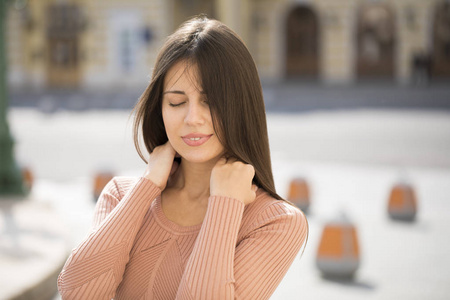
{"points": [[209, 273], [95, 268], [220, 269], [264, 256]]}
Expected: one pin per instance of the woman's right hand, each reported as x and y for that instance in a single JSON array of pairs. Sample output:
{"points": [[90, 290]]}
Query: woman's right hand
{"points": [[161, 165]]}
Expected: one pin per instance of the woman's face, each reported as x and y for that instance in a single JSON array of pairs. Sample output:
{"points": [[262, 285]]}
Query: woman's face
{"points": [[186, 115]]}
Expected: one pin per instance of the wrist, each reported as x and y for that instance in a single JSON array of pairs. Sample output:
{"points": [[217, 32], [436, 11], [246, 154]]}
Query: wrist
{"points": [[153, 180], [227, 196]]}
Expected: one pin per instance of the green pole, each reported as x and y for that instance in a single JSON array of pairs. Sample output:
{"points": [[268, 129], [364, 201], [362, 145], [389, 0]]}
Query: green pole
{"points": [[10, 175]]}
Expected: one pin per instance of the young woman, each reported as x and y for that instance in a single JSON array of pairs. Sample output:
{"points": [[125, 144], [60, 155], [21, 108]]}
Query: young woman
{"points": [[204, 221]]}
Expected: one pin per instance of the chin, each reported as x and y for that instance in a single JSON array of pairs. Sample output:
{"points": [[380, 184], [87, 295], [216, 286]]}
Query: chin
{"points": [[198, 157]]}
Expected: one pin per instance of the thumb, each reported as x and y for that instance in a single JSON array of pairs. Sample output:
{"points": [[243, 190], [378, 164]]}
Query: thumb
{"points": [[174, 167], [221, 161]]}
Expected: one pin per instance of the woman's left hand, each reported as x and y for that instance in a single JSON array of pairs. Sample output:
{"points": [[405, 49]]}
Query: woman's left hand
{"points": [[233, 179]]}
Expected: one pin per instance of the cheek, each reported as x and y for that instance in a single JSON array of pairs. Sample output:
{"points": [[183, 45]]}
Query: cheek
{"points": [[167, 126], [170, 124], [215, 123]]}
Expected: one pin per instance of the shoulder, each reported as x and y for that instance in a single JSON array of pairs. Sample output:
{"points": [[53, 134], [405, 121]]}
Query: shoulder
{"points": [[267, 210]]}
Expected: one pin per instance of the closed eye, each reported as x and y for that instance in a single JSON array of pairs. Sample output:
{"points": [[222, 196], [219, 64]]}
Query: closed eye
{"points": [[175, 104]]}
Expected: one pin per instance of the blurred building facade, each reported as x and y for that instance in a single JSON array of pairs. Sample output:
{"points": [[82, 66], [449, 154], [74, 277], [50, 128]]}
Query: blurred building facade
{"points": [[105, 44]]}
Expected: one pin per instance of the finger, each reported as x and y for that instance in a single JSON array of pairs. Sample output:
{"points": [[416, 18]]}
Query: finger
{"points": [[168, 146], [174, 168], [231, 159], [221, 161]]}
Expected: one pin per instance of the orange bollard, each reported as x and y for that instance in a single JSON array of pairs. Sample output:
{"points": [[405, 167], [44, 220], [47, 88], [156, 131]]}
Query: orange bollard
{"points": [[28, 178], [100, 181], [402, 203], [299, 193], [338, 253]]}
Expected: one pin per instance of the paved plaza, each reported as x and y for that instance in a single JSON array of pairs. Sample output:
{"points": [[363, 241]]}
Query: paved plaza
{"points": [[350, 155]]}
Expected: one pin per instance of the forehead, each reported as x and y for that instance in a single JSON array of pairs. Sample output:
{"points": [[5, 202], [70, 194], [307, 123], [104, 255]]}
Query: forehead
{"points": [[182, 76]]}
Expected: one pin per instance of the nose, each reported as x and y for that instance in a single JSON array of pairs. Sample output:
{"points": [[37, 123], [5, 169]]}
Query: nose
{"points": [[195, 114]]}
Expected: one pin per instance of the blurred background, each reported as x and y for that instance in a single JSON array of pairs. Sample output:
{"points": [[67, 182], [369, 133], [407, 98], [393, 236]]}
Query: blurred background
{"points": [[357, 94]]}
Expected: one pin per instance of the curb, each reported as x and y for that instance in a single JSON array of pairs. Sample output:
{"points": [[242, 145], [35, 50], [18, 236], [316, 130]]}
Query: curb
{"points": [[33, 249]]}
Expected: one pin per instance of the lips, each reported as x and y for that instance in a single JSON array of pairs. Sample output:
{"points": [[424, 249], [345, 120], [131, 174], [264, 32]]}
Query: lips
{"points": [[196, 139]]}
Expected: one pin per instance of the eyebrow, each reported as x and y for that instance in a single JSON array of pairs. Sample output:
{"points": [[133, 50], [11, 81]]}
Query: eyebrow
{"points": [[180, 92], [174, 92]]}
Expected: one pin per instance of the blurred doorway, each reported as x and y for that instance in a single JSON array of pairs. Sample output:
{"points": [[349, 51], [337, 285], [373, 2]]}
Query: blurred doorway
{"points": [[375, 42], [441, 42], [62, 42], [302, 31]]}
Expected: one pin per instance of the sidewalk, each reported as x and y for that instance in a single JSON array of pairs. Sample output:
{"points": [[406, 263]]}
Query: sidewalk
{"points": [[351, 159], [33, 249]]}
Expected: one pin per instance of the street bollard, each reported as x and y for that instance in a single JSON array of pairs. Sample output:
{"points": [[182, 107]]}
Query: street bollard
{"points": [[402, 203], [27, 178], [101, 179], [299, 193], [338, 253]]}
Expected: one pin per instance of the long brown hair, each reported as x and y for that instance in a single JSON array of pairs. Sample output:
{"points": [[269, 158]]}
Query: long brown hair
{"points": [[231, 83]]}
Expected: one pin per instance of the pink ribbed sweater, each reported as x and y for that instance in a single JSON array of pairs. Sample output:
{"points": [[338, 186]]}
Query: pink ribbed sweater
{"points": [[135, 252]]}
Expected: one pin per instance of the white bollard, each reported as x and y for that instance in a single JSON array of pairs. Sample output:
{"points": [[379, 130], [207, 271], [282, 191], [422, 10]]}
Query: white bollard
{"points": [[402, 203], [338, 253], [299, 193]]}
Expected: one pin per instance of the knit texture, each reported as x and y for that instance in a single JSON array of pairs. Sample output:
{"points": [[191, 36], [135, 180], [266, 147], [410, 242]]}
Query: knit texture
{"points": [[135, 252]]}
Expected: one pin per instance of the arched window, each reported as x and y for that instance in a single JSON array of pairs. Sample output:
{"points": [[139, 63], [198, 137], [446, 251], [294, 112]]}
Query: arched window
{"points": [[302, 43], [63, 27]]}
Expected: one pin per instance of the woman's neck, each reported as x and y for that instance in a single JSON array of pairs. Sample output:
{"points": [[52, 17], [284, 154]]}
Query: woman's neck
{"points": [[193, 179]]}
